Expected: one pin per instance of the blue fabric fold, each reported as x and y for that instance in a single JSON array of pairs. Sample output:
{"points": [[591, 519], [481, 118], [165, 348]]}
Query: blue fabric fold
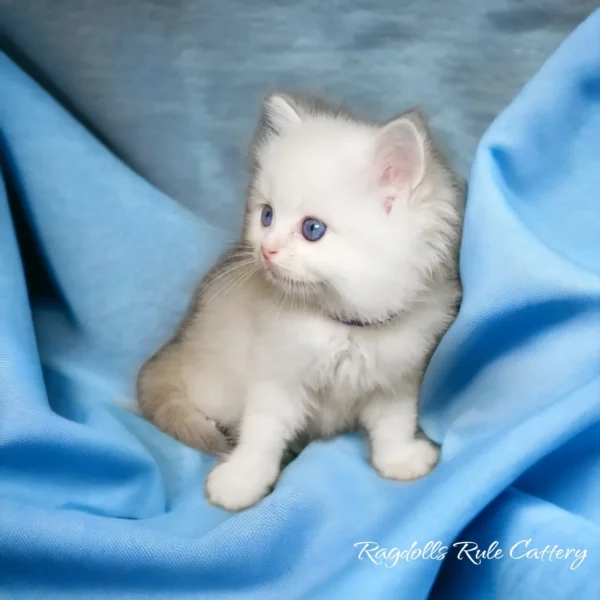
{"points": [[96, 503]]}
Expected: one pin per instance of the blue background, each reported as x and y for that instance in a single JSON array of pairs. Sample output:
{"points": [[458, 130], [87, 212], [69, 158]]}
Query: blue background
{"points": [[95, 503]]}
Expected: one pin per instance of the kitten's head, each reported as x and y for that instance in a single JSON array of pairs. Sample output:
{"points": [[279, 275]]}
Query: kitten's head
{"points": [[359, 217]]}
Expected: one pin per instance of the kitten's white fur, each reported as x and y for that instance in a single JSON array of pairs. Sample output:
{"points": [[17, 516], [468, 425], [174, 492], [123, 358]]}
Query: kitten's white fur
{"points": [[264, 351]]}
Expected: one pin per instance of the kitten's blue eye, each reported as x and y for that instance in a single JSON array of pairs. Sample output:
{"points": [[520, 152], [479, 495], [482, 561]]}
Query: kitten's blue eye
{"points": [[266, 217], [313, 229]]}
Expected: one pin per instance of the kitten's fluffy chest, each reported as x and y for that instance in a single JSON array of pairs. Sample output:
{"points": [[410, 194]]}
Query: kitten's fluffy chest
{"points": [[340, 382], [338, 366], [345, 363], [327, 355]]}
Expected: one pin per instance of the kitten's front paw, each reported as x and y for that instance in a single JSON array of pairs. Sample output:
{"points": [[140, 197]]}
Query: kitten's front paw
{"points": [[408, 461], [235, 486]]}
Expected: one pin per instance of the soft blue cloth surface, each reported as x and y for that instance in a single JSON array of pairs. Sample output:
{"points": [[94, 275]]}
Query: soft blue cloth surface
{"points": [[94, 503]]}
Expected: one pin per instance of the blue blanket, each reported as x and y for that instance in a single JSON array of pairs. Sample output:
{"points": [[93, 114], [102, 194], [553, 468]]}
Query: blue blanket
{"points": [[96, 267]]}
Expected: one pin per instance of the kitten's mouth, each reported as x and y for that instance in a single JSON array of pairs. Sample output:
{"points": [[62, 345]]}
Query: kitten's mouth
{"points": [[270, 270], [281, 277]]}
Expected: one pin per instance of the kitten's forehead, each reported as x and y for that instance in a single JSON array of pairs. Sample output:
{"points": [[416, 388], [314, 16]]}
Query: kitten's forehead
{"points": [[319, 157]]}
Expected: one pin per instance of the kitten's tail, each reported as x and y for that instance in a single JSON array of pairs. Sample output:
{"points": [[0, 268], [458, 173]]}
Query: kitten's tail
{"points": [[163, 400]]}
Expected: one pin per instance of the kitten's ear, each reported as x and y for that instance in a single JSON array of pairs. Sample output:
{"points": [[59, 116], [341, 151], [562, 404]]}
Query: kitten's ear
{"points": [[400, 156], [280, 112]]}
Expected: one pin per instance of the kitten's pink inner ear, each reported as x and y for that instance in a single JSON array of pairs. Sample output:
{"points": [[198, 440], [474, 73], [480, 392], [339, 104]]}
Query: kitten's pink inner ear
{"points": [[400, 155], [388, 176], [388, 204]]}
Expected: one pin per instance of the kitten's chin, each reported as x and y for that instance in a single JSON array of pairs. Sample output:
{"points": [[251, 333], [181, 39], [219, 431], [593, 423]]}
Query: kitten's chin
{"points": [[286, 283], [280, 279]]}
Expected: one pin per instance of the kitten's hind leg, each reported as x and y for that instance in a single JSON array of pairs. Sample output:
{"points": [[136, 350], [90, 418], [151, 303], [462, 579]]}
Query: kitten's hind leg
{"points": [[163, 400], [397, 452]]}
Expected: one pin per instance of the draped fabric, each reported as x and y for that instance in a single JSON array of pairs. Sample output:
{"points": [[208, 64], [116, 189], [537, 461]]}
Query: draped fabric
{"points": [[96, 268]]}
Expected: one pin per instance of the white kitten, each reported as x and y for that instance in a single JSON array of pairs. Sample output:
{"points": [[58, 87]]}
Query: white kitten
{"points": [[324, 317]]}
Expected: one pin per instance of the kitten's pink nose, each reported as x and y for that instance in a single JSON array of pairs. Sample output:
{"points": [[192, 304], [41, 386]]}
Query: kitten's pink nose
{"points": [[268, 252]]}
